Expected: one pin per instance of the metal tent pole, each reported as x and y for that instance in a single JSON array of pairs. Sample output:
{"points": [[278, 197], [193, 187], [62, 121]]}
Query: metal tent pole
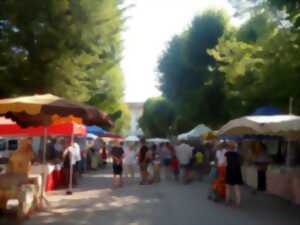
{"points": [[70, 191]]}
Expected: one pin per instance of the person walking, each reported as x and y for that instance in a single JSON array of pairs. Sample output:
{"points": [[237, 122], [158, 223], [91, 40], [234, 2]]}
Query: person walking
{"points": [[156, 159], [184, 154], [117, 154], [261, 161], [104, 153], [144, 160], [233, 173], [166, 156], [129, 161]]}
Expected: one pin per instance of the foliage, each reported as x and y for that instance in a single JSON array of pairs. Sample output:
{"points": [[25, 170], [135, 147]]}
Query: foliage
{"points": [[70, 48], [157, 117], [263, 70], [187, 77]]}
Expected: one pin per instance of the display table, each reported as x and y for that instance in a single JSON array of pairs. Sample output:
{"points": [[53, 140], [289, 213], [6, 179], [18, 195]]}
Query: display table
{"points": [[53, 174], [249, 173], [284, 183]]}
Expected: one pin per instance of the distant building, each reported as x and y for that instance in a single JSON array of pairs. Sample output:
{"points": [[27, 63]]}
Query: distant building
{"points": [[136, 110]]}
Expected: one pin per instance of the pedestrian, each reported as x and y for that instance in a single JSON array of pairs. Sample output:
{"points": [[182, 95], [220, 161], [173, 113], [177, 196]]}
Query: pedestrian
{"points": [[233, 173], [184, 154], [156, 163], [117, 154], [144, 160], [199, 164], [262, 160], [129, 161], [104, 153], [166, 156], [175, 167], [220, 181]]}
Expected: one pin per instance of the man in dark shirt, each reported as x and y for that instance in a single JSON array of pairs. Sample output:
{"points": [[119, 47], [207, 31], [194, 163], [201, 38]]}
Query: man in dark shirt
{"points": [[117, 153]]}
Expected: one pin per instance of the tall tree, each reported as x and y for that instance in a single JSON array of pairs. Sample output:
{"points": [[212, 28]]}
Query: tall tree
{"points": [[71, 48], [187, 77], [157, 118]]}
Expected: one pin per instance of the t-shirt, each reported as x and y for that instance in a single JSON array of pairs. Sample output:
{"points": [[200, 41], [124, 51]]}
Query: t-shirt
{"points": [[143, 154], [77, 152], [184, 153], [220, 155], [74, 151], [165, 153], [199, 158], [117, 153], [129, 157]]}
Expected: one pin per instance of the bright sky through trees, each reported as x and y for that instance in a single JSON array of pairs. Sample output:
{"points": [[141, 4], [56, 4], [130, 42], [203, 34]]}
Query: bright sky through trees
{"points": [[151, 25]]}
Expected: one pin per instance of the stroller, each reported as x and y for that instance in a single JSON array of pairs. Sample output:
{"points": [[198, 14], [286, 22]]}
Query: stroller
{"points": [[217, 191]]}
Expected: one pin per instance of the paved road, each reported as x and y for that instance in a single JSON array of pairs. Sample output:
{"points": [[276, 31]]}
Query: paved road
{"points": [[167, 203]]}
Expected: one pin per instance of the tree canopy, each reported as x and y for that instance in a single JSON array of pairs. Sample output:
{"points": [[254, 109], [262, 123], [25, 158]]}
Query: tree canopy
{"points": [[71, 48], [214, 72], [157, 117]]}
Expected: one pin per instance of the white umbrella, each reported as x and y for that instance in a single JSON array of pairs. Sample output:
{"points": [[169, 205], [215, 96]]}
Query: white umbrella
{"points": [[197, 132], [158, 140], [132, 139], [281, 125]]}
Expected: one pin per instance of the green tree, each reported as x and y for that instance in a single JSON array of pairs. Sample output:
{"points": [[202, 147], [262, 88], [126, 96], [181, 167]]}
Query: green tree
{"points": [[260, 70], [71, 48], [157, 118], [187, 76]]}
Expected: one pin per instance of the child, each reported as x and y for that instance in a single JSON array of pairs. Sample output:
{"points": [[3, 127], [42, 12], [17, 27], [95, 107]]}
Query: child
{"points": [[175, 167]]}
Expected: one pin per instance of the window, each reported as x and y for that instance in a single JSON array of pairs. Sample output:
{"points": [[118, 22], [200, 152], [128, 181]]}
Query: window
{"points": [[12, 145]]}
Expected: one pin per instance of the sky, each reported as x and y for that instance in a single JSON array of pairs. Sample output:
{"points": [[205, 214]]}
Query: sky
{"points": [[149, 28]]}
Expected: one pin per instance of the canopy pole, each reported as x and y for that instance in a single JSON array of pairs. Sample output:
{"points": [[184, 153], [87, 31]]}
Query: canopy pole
{"points": [[289, 150], [70, 189], [43, 198]]}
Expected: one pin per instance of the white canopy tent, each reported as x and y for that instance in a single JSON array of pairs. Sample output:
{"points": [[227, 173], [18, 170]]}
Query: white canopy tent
{"points": [[132, 139], [197, 132], [280, 125], [158, 140]]}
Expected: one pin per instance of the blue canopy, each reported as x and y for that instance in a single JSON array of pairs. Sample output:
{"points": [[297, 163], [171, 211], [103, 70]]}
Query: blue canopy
{"points": [[266, 111], [91, 136], [95, 130]]}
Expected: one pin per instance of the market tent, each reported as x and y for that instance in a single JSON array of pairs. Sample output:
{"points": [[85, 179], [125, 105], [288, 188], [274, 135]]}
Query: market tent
{"points": [[158, 140], [197, 132], [266, 111], [91, 136], [38, 110], [132, 139], [10, 128], [280, 125], [111, 136], [95, 130]]}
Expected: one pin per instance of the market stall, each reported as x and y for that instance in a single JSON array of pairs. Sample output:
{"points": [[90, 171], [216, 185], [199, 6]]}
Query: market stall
{"points": [[195, 133], [282, 178], [53, 171]]}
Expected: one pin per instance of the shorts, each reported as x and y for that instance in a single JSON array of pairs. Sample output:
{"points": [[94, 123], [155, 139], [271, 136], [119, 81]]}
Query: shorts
{"points": [[167, 162], [117, 169]]}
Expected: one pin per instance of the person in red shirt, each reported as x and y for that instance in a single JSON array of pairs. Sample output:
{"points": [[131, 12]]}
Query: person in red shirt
{"points": [[175, 167]]}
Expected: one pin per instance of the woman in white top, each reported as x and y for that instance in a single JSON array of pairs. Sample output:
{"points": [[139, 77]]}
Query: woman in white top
{"points": [[129, 161]]}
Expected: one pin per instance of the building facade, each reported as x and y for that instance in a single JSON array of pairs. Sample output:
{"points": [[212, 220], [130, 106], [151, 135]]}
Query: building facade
{"points": [[136, 110]]}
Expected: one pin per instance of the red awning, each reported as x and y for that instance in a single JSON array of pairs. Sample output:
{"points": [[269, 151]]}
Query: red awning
{"points": [[10, 128]]}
